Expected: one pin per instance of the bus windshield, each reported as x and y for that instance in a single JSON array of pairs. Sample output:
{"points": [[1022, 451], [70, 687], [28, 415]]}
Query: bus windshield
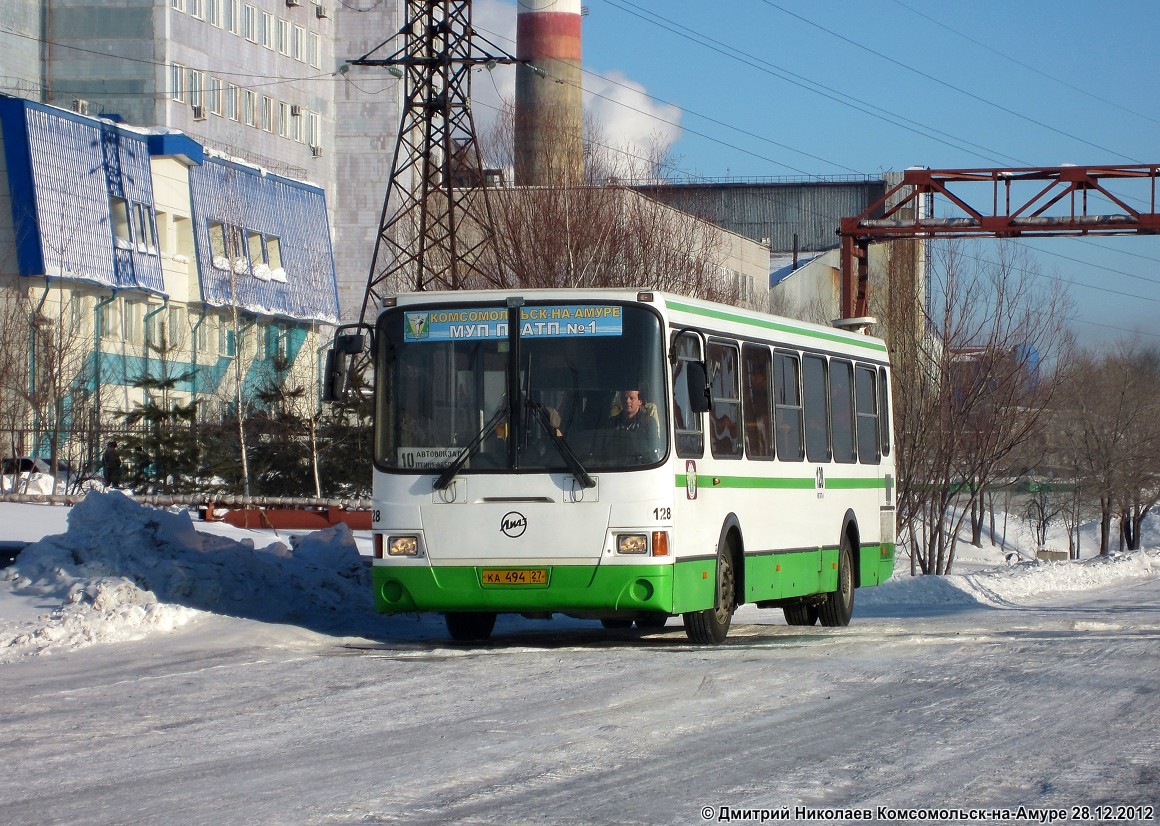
{"points": [[576, 387]]}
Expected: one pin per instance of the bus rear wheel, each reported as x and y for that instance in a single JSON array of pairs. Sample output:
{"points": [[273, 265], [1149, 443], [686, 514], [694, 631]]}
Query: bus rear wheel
{"points": [[800, 614], [470, 626], [839, 605], [711, 626]]}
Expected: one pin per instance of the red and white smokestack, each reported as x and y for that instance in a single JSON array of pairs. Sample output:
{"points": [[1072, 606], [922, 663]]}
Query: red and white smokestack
{"points": [[549, 114]]}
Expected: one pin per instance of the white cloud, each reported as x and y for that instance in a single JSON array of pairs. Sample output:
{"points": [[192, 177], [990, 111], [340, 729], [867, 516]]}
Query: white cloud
{"points": [[628, 117], [629, 120]]}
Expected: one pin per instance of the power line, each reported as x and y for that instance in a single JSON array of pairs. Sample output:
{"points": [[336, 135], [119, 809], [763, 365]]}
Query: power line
{"points": [[894, 119], [1026, 66], [950, 86]]}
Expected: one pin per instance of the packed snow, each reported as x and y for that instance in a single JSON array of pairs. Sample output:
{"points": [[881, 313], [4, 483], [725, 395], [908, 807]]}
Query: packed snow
{"points": [[163, 669]]}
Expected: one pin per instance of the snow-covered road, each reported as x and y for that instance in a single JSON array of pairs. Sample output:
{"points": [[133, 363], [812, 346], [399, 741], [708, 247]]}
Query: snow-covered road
{"points": [[158, 670], [1044, 704]]}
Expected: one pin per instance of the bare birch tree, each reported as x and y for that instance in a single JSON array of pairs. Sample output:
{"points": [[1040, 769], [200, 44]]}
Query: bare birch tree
{"points": [[970, 389]]}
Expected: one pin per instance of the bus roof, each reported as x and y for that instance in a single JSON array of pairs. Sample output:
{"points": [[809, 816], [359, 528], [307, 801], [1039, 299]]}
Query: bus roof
{"points": [[681, 311]]}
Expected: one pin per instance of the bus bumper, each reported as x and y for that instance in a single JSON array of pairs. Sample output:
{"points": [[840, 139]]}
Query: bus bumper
{"points": [[409, 589]]}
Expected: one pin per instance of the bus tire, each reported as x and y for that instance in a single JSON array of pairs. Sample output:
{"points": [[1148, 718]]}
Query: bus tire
{"points": [[838, 608], [470, 626], [710, 626], [800, 614]]}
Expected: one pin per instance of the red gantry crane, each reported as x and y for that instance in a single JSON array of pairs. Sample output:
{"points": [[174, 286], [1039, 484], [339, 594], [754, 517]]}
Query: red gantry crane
{"points": [[1032, 201]]}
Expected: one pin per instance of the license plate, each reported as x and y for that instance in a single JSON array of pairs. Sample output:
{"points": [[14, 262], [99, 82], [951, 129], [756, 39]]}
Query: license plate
{"points": [[515, 576]]}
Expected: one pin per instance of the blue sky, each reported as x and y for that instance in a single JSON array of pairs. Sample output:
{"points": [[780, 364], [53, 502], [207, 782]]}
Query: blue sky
{"points": [[754, 88]]}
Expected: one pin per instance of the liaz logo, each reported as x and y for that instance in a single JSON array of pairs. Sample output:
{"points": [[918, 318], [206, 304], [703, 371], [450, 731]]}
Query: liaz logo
{"points": [[513, 524]]}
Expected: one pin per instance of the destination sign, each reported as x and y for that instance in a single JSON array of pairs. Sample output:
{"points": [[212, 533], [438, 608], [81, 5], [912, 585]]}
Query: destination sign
{"points": [[480, 323]]}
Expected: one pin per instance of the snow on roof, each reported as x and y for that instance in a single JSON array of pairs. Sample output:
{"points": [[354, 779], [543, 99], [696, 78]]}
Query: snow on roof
{"points": [[781, 264]]}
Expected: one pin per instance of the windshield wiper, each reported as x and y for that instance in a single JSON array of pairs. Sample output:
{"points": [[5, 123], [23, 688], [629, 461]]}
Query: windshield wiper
{"points": [[574, 463], [453, 469]]}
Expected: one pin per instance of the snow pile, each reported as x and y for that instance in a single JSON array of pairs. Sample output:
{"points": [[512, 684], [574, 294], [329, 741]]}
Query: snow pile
{"points": [[1032, 580], [1012, 585], [123, 570]]}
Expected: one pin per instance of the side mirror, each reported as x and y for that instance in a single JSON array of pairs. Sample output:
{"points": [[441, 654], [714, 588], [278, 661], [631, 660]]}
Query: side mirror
{"points": [[698, 386], [334, 376], [340, 360]]}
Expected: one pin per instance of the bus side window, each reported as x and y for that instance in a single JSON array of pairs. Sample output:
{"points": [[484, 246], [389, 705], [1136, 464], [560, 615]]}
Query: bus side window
{"points": [[690, 439], [788, 407], [817, 409], [842, 409], [756, 402], [866, 405], [725, 411]]}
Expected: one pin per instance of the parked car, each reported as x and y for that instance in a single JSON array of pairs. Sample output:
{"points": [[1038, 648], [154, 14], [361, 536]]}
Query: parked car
{"points": [[26, 474]]}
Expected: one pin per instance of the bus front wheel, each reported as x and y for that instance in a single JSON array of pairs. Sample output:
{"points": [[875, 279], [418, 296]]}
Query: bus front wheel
{"points": [[470, 626], [839, 605], [710, 626]]}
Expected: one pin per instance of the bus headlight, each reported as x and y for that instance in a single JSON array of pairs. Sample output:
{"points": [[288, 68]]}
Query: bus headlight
{"points": [[632, 543], [402, 546]]}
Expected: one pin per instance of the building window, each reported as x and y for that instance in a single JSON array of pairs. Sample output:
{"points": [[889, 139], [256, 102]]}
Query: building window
{"points": [[213, 12], [315, 50], [177, 82], [215, 95], [144, 228], [230, 15], [231, 101], [284, 119], [284, 36], [119, 213], [266, 30], [177, 4], [266, 114], [196, 85], [250, 23], [298, 48], [314, 128], [250, 107], [274, 253], [197, 9], [202, 340], [110, 322], [133, 322], [177, 327], [183, 235]]}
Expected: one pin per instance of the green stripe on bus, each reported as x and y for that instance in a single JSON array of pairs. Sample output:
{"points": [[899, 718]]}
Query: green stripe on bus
{"points": [[708, 481], [857, 341], [855, 484]]}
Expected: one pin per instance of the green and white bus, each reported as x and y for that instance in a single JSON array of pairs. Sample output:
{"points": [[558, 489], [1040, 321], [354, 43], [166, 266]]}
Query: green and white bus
{"points": [[507, 478]]}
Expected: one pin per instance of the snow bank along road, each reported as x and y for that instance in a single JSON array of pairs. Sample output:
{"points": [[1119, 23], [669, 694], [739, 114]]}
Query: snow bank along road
{"points": [[236, 684]]}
